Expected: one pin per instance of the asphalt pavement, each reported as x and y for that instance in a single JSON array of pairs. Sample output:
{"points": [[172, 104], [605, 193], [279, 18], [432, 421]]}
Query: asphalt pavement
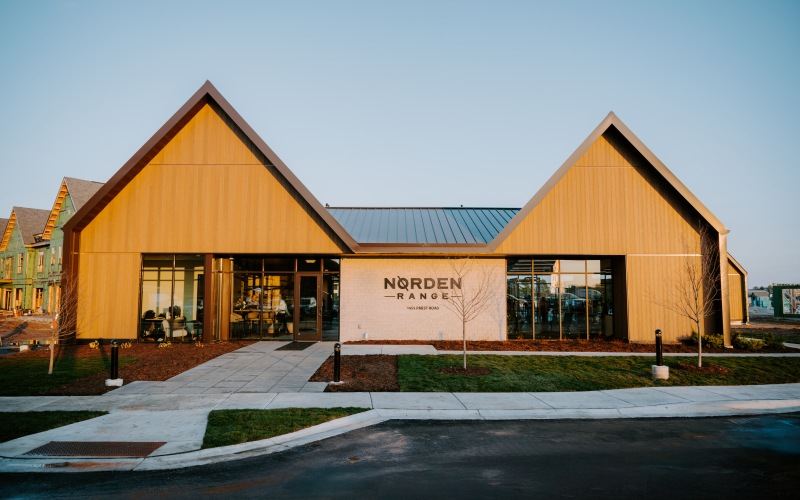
{"points": [[160, 425]]}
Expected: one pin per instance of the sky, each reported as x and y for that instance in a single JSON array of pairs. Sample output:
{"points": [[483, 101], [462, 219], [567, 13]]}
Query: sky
{"points": [[422, 103]]}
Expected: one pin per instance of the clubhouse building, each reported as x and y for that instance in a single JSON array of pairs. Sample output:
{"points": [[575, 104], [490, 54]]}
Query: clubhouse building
{"points": [[206, 234]]}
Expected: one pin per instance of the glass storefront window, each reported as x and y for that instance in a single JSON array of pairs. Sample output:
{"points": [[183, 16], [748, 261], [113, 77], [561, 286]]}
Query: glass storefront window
{"points": [[545, 266], [262, 306], [569, 299], [309, 265], [281, 265], [573, 266], [547, 306], [573, 306], [519, 266], [291, 297], [330, 307], [172, 297], [519, 309], [247, 264]]}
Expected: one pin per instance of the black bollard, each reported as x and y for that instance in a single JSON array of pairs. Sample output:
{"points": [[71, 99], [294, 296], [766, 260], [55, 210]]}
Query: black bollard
{"points": [[337, 361], [659, 355], [114, 360]]}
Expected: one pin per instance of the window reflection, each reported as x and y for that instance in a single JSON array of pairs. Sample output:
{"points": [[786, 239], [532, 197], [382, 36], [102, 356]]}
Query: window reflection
{"points": [[172, 298], [278, 303], [519, 309], [569, 298]]}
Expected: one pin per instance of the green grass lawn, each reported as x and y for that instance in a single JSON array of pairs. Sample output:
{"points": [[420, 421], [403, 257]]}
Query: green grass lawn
{"points": [[226, 427], [578, 373], [17, 424], [28, 376], [791, 338]]}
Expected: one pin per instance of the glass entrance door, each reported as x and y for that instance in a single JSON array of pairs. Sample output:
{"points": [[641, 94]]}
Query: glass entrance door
{"points": [[307, 312]]}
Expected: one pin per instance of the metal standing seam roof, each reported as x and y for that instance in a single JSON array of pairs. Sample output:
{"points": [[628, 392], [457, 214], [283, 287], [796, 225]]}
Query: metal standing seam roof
{"points": [[423, 226]]}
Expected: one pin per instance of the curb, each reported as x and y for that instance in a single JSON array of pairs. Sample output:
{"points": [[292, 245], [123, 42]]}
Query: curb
{"points": [[377, 416]]}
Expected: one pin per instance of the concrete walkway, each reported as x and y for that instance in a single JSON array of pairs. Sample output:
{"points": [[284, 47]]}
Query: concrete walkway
{"points": [[174, 412]]}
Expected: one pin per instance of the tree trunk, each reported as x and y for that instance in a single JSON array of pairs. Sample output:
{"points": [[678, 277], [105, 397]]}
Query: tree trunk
{"points": [[52, 357], [699, 344], [464, 339]]}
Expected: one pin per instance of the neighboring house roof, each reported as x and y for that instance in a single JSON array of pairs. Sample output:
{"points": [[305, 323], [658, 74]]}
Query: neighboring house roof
{"points": [[31, 221], [423, 226], [611, 122], [79, 190], [3, 224], [205, 95]]}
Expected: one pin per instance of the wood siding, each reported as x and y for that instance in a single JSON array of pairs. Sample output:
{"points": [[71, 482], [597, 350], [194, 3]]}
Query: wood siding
{"points": [[738, 299], [108, 301], [649, 280], [604, 205], [611, 201], [206, 191]]}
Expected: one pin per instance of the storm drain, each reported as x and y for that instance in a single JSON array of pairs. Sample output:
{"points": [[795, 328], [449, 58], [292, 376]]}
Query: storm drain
{"points": [[96, 449]]}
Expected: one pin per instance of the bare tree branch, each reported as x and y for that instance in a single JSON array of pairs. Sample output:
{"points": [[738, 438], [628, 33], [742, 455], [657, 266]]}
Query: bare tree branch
{"points": [[473, 297], [694, 292]]}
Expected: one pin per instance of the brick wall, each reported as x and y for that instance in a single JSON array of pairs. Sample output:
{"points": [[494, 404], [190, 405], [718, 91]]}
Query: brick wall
{"points": [[402, 299]]}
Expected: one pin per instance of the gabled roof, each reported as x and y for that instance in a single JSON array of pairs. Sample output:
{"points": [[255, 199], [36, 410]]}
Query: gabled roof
{"points": [[3, 224], [423, 226], [79, 191], [30, 221], [205, 95], [736, 265], [611, 122]]}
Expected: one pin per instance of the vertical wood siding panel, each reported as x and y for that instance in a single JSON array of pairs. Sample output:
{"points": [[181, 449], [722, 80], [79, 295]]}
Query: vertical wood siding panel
{"points": [[206, 192], [650, 278], [109, 296], [601, 210]]}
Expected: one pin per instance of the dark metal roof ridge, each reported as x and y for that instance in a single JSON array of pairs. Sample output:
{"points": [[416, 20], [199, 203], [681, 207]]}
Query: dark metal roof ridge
{"points": [[610, 121], [205, 94]]}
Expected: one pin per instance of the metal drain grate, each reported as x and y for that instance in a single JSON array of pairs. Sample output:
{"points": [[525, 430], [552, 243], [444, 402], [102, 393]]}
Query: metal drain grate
{"points": [[96, 449], [295, 346]]}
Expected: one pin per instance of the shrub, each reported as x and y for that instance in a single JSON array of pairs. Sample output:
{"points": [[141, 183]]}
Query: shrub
{"points": [[771, 340], [744, 343], [713, 340]]}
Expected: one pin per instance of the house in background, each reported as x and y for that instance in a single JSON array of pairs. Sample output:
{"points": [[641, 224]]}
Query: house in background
{"points": [[760, 298], [31, 250], [72, 195], [22, 252]]}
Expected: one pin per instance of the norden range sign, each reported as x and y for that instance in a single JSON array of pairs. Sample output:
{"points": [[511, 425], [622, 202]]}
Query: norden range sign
{"points": [[416, 289]]}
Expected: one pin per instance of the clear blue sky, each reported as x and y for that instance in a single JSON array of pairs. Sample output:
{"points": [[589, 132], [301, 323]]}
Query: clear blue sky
{"points": [[422, 103]]}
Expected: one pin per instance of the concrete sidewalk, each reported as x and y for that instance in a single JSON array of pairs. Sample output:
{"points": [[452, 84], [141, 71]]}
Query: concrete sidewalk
{"points": [[173, 414]]}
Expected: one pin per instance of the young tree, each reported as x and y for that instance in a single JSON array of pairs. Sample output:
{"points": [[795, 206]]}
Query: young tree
{"points": [[694, 292], [63, 328], [475, 296]]}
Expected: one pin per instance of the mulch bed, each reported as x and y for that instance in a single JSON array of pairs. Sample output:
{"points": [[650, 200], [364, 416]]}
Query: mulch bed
{"points": [[153, 363], [370, 373]]}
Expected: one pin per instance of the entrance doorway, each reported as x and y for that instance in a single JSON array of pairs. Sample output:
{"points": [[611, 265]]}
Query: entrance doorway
{"points": [[307, 314], [277, 298]]}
